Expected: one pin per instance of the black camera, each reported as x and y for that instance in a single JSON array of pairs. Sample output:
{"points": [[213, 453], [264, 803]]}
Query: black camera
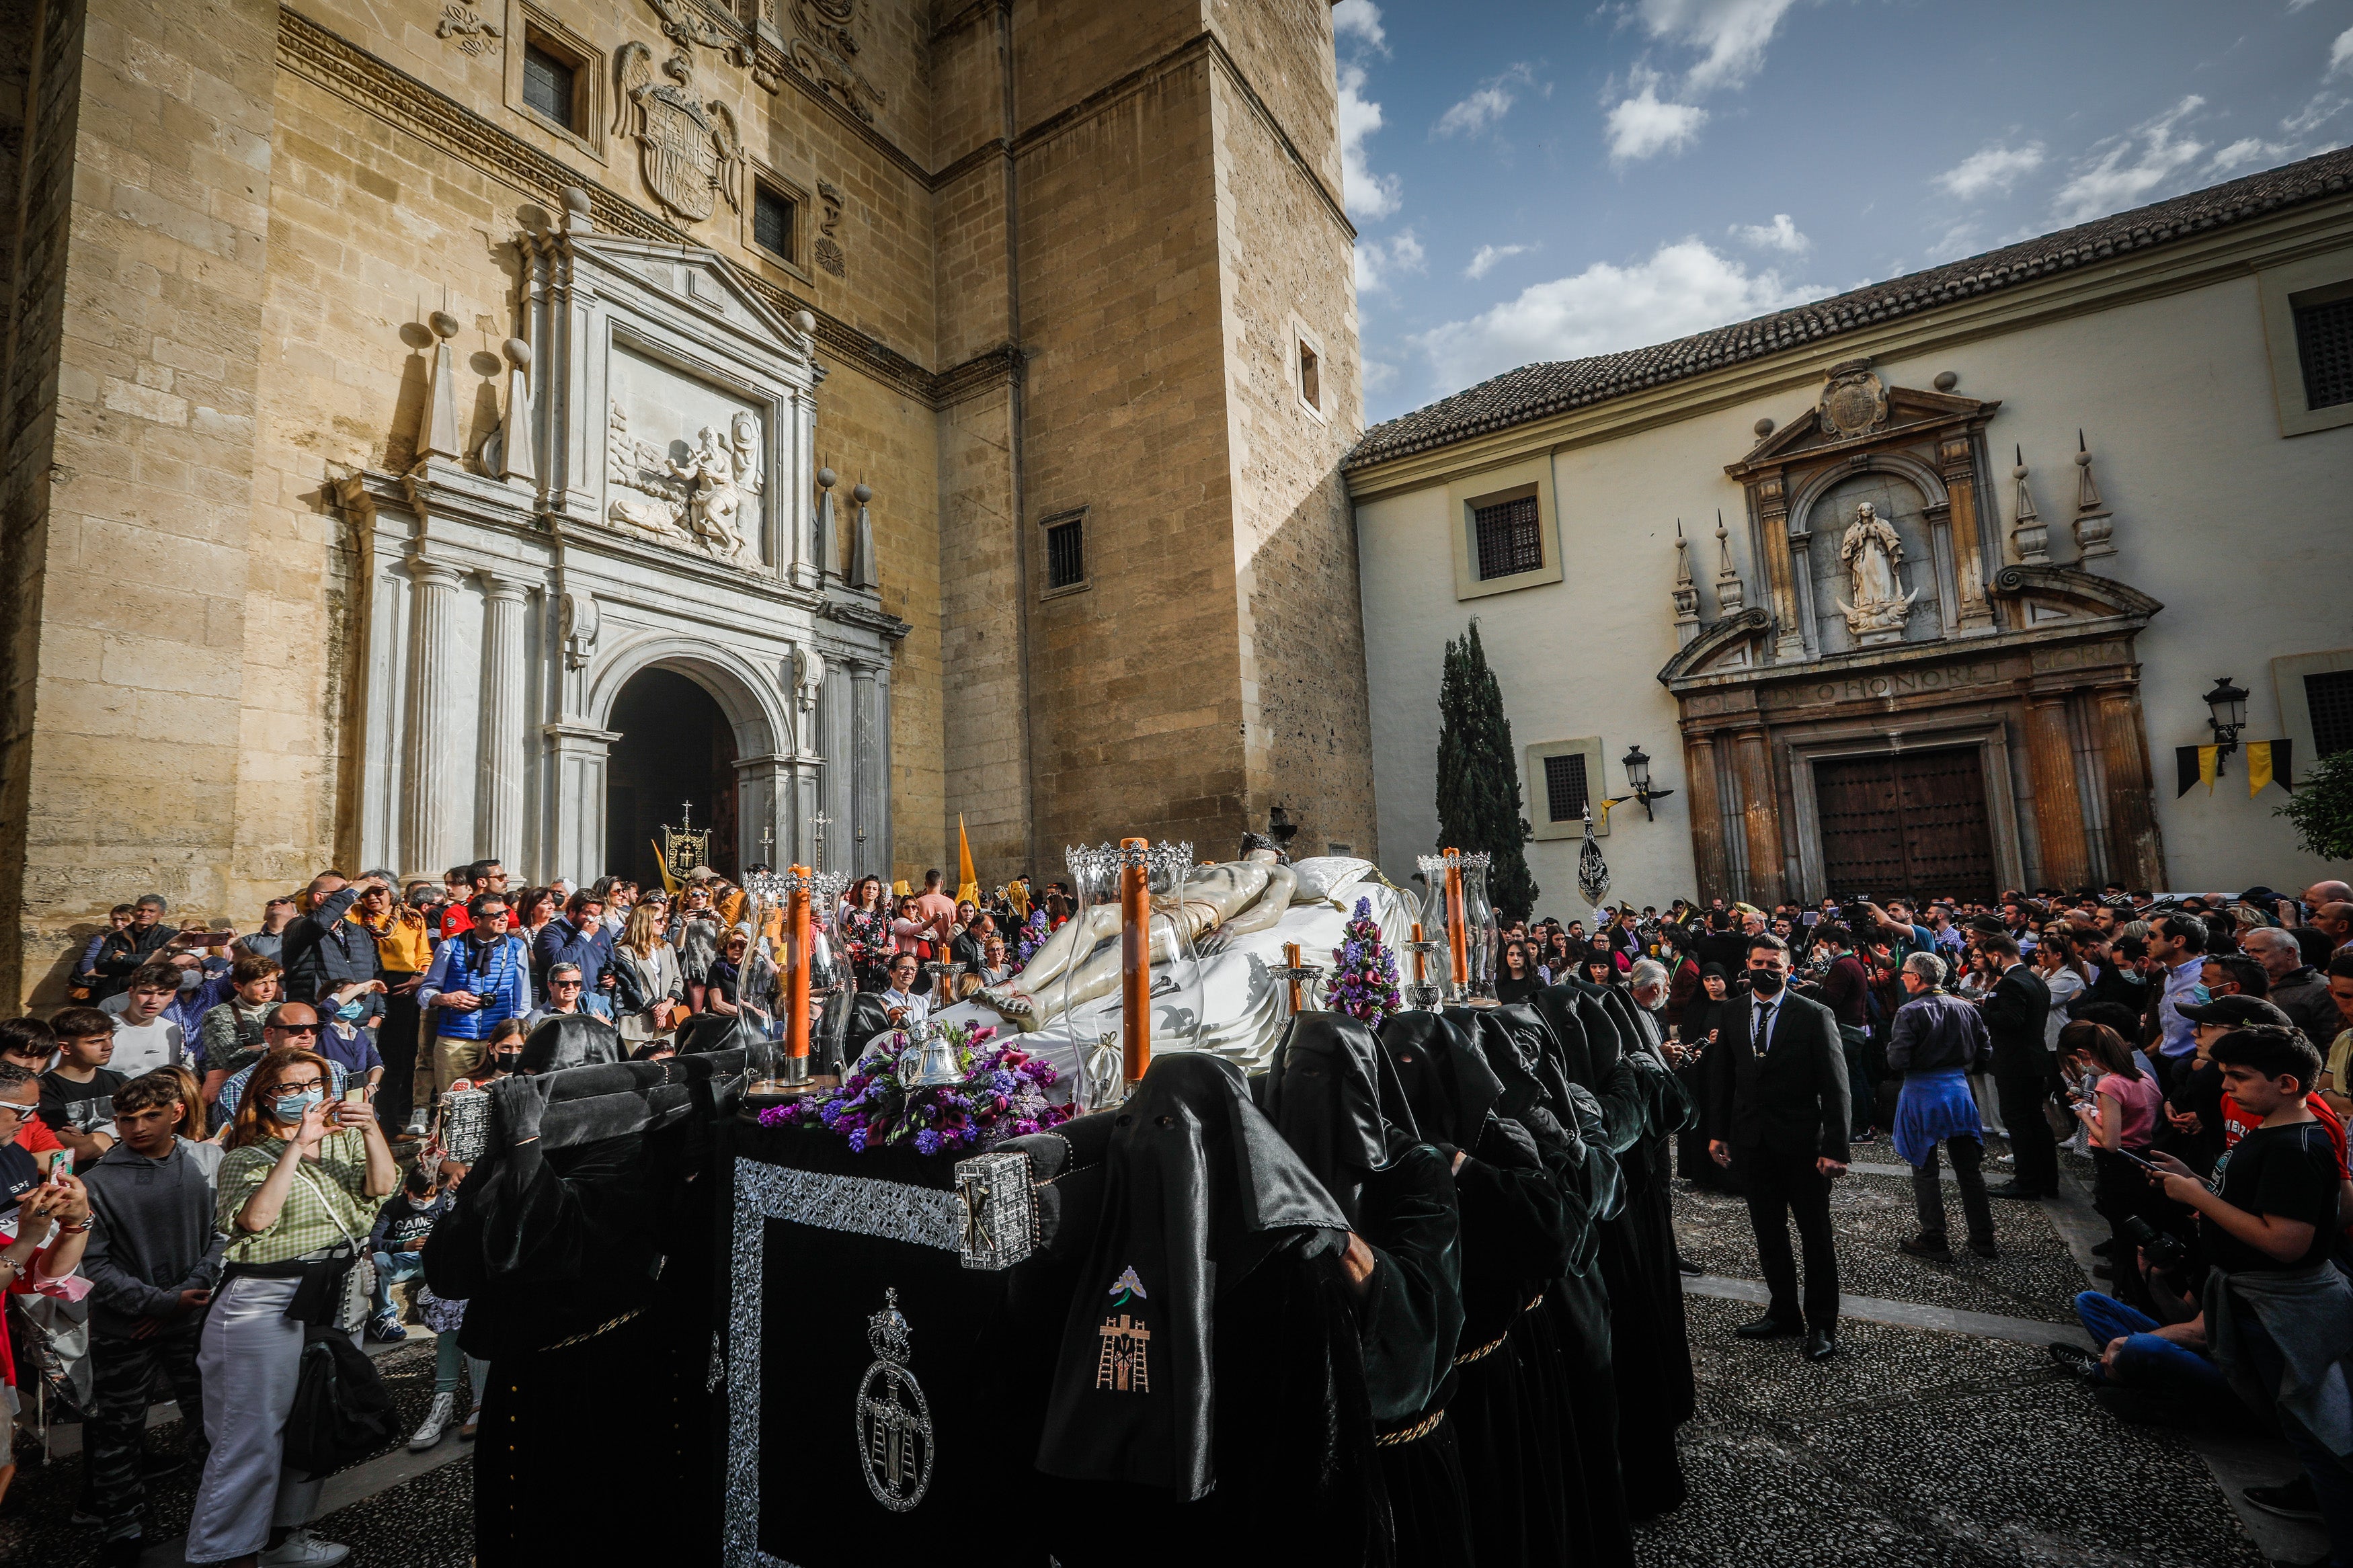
{"points": [[2167, 1254], [1856, 916]]}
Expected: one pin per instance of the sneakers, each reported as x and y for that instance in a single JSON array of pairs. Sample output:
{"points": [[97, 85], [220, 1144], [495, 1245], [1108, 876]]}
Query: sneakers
{"points": [[2292, 1499], [386, 1326], [2083, 1365], [437, 1421], [304, 1550]]}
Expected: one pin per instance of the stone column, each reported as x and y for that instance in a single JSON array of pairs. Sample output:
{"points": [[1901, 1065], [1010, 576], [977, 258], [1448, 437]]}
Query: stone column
{"points": [[2058, 807], [1760, 816], [498, 815], [1709, 860], [577, 755], [833, 743], [436, 695], [764, 794], [2136, 852], [1955, 457], [870, 786], [1777, 560]]}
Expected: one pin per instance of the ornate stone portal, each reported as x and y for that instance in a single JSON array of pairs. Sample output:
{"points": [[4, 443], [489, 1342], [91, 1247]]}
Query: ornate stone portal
{"points": [[1907, 713], [647, 501]]}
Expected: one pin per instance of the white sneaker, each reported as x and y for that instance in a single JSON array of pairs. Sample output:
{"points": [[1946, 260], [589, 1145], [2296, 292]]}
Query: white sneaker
{"points": [[437, 1421], [304, 1550]]}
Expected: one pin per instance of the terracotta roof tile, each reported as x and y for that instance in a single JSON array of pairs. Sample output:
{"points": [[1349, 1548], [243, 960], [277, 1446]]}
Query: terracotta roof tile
{"points": [[1534, 391]]}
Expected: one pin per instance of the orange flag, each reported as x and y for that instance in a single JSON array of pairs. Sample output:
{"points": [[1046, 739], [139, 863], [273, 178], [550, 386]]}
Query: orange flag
{"points": [[967, 885]]}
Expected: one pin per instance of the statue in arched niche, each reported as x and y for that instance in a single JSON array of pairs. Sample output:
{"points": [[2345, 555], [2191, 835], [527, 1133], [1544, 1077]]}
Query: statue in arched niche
{"points": [[1872, 552]]}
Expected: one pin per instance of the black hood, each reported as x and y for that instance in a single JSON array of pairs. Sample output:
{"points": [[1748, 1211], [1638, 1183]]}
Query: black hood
{"points": [[1575, 1011], [1198, 1190], [1446, 1079], [570, 1040], [1335, 1096], [1523, 1053]]}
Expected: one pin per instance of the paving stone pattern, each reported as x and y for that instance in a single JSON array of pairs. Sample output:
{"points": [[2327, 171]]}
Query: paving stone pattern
{"points": [[2035, 1277]]}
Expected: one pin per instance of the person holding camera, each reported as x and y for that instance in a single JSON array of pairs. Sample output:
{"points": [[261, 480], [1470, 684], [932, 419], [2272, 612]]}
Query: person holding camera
{"points": [[2278, 1316]]}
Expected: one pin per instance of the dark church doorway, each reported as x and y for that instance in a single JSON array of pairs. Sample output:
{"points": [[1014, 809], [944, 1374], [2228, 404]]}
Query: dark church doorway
{"points": [[1909, 824], [677, 750]]}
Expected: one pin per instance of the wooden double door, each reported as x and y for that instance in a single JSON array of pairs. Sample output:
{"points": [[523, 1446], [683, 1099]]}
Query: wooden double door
{"points": [[1910, 824]]}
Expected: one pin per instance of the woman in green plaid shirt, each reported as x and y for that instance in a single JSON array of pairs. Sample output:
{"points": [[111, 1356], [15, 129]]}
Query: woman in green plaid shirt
{"points": [[302, 1177]]}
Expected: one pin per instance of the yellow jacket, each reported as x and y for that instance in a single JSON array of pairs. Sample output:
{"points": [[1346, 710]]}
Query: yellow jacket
{"points": [[404, 945]]}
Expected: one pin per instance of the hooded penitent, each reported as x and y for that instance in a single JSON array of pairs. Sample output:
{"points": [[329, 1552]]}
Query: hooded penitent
{"points": [[1199, 1190], [1337, 1101], [570, 1040]]}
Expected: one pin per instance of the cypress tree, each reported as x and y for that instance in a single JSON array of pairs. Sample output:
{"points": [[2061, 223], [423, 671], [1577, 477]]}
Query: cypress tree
{"points": [[1478, 776]]}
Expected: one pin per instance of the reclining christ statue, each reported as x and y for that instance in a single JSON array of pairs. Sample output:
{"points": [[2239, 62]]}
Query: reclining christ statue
{"points": [[1236, 897]]}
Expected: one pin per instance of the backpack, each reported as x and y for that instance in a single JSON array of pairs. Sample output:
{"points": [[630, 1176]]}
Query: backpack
{"points": [[342, 1413]]}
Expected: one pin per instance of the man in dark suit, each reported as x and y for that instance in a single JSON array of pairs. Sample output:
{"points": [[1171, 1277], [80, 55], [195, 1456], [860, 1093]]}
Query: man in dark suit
{"points": [[2023, 1069], [1777, 1118]]}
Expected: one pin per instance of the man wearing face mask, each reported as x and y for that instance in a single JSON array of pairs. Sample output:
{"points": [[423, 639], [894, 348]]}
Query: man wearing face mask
{"points": [[1778, 1118]]}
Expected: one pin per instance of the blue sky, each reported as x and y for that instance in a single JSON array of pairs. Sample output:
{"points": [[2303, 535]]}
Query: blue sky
{"points": [[1547, 181]]}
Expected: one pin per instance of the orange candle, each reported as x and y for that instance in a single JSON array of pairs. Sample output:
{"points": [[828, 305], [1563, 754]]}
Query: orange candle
{"points": [[1135, 959], [1419, 976], [1291, 958], [797, 985], [1458, 940]]}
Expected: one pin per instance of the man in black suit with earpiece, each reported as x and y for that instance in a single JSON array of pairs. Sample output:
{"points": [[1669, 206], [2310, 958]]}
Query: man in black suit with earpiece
{"points": [[1777, 1118]]}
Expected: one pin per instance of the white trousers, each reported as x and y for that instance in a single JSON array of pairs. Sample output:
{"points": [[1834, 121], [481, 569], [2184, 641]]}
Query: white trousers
{"points": [[250, 1358]]}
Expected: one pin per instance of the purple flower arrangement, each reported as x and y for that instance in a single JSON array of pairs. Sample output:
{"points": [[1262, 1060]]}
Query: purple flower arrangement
{"points": [[1001, 1095], [1364, 981], [1030, 938]]}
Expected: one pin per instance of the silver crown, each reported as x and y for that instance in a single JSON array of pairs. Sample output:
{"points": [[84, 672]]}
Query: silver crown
{"points": [[887, 1331]]}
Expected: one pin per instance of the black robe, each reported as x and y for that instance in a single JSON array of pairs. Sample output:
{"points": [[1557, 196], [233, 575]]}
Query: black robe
{"points": [[1565, 1121], [1254, 1442], [1336, 1099], [1507, 1408], [582, 1245]]}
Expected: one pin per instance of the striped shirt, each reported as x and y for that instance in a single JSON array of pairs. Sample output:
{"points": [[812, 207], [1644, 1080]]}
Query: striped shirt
{"points": [[305, 1221]]}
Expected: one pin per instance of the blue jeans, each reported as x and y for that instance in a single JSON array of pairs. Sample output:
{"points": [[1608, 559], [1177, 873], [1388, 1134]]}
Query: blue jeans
{"points": [[2146, 1361], [394, 1268]]}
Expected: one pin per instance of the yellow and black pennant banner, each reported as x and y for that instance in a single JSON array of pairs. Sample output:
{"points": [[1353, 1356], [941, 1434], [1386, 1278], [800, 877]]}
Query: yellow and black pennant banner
{"points": [[2268, 762]]}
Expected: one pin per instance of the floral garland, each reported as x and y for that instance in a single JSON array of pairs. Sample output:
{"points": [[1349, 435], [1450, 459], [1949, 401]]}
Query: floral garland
{"points": [[1365, 982], [1001, 1095]]}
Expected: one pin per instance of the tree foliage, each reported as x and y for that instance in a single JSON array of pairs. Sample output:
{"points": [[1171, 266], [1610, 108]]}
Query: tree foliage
{"points": [[1479, 775], [2322, 808]]}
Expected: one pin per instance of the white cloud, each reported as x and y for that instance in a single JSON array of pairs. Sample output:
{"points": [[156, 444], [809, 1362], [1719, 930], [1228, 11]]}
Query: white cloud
{"points": [[2312, 116], [2340, 54], [1958, 241], [2246, 149], [1367, 194], [1991, 168], [1779, 235], [1490, 103], [2295, 6], [1359, 20], [1731, 35], [2135, 167], [1685, 287], [1380, 376], [1644, 125], [1380, 261], [1484, 261]]}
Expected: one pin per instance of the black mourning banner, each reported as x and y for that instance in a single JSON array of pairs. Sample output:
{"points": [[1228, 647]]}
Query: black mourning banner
{"points": [[895, 1401]]}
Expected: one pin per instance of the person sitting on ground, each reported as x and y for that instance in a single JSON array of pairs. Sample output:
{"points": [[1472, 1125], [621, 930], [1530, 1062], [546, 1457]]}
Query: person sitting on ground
{"points": [[77, 1095], [396, 1245], [152, 1259]]}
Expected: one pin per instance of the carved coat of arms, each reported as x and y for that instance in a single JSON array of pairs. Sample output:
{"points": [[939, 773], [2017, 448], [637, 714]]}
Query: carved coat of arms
{"points": [[689, 147], [1853, 400]]}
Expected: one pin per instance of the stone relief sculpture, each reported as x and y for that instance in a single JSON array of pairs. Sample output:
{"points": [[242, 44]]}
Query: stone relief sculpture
{"points": [[1871, 550], [714, 495], [822, 48]]}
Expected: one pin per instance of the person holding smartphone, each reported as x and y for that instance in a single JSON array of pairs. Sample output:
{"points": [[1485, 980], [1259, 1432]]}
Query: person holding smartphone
{"points": [[28, 1203], [2124, 1112], [297, 1193]]}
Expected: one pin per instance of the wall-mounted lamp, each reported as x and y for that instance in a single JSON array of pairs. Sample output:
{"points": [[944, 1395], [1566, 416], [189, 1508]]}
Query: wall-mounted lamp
{"points": [[1637, 779], [2227, 715]]}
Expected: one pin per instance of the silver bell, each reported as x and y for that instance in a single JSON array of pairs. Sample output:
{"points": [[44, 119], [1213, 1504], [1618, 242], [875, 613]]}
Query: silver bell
{"points": [[931, 1062]]}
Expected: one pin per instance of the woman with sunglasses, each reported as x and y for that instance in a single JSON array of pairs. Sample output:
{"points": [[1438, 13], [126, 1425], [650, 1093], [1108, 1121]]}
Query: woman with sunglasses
{"points": [[303, 1181]]}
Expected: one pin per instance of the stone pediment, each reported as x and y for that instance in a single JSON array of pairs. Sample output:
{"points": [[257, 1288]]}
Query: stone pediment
{"points": [[1732, 644], [2061, 595], [697, 282], [1909, 412]]}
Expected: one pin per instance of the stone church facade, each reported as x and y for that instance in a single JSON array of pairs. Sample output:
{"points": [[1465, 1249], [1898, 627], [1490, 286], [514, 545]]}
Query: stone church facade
{"points": [[1914, 589], [498, 427]]}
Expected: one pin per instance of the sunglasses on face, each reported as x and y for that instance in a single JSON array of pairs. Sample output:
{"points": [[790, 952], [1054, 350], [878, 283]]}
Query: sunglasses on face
{"points": [[296, 1028], [568, 984]]}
